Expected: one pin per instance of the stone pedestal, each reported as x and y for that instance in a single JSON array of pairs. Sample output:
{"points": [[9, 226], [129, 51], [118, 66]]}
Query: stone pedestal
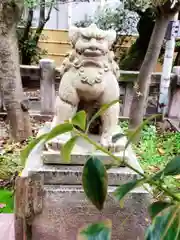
{"points": [[65, 208]]}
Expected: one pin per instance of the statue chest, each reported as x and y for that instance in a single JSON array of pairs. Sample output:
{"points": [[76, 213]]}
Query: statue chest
{"points": [[92, 74]]}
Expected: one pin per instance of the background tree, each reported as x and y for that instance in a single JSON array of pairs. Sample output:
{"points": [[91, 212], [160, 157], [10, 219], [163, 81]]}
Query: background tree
{"points": [[28, 38], [136, 53], [165, 11], [177, 59], [10, 79], [121, 19]]}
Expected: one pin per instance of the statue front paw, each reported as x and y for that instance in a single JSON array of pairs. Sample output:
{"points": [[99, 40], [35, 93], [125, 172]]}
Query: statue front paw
{"points": [[106, 142], [56, 143]]}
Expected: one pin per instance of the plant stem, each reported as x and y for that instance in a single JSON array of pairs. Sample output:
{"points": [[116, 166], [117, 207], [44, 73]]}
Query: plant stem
{"points": [[104, 150]]}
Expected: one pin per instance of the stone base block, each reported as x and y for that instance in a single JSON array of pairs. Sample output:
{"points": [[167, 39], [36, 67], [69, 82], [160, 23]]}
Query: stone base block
{"points": [[72, 175], [66, 209]]}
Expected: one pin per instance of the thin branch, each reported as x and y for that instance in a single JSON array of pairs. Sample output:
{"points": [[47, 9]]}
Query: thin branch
{"points": [[42, 12], [28, 25], [49, 12], [42, 20], [118, 160]]}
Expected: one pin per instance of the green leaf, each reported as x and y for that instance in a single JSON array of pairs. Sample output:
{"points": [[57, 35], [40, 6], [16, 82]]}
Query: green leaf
{"points": [[157, 175], [6, 201], [165, 227], [100, 112], [157, 207], [97, 231], [58, 130], [133, 134], [173, 167], [109, 166], [117, 136], [26, 151], [95, 181], [67, 149], [122, 190], [80, 119]]}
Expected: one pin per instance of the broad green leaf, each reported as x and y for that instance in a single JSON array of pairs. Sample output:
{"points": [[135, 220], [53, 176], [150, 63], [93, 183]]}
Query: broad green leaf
{"points": [[95, 181], [133, 134], [100, 112], [165, 226], [6, 201], [109, 166], [158, 175], [97, 231], [117, 136], [80, 120], [157, 207], [173, 167], [26, 151], [67, 149], [122, 190], [58, 130]]}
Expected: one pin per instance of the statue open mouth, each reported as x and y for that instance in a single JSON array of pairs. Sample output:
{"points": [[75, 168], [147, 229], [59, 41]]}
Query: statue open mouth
{"points": [[92, 52]]}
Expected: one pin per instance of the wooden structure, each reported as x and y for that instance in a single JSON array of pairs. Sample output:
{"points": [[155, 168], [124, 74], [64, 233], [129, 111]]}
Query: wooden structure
{"points": [[41, 83], [56, 44]]}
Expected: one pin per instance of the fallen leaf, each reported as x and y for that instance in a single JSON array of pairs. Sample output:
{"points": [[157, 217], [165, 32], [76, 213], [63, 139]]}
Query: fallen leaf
{"points": [[2, 205], [153, 168], [161, 151], [177, 177]]}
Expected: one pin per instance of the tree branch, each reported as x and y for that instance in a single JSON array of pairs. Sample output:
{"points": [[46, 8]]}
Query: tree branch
{"points": [[42, 12], [49, 12], [42, 20], [28, 25]]}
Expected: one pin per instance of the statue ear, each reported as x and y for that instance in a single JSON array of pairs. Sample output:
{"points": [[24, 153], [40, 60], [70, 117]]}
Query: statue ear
{"points": [[111, 37], [73, 34]]}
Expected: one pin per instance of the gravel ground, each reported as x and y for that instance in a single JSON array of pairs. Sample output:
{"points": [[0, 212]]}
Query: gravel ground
{"points": [[36, 122]]}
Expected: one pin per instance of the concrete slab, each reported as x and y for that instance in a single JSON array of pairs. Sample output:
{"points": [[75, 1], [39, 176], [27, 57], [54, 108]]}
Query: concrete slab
{"points": [[65, 206], [66, 209], [7, 227], [72, 175]]}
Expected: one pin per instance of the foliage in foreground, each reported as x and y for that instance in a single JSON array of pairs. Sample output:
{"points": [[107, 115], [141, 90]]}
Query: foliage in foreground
{"points": [[6, 201], [165, 214]]}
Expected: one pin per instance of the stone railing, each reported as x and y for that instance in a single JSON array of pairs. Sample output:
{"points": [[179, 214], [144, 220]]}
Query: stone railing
{"points": [[43, 81]]}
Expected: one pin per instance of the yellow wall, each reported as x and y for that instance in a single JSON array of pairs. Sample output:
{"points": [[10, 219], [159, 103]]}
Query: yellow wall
{"points": [[55, 42], [57, 45]]}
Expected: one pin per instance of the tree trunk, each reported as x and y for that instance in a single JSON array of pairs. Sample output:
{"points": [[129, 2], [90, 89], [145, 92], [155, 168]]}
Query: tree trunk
{"points": [[137, 51], [10, 79], [144, 78]]}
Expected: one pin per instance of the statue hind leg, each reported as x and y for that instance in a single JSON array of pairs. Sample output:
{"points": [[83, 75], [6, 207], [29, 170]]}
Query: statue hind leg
{"points": [[66, 107], [64, 111], [110, 117], [66, 104]]}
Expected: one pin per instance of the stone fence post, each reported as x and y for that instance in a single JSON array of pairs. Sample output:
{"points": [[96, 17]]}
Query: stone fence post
{"points": [[176, 70], [47, 85], [175, 95], [2, 107]]}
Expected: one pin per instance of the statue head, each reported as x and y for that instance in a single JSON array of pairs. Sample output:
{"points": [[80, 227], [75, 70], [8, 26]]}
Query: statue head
{"points": [[91, 41]]}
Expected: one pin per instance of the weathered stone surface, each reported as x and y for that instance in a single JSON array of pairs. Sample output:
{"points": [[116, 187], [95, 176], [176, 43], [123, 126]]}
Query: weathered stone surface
{"points": [[66, 209], [72, 175]]}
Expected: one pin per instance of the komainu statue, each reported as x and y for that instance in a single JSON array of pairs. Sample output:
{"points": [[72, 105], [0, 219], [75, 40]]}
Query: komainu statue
{"points": [[89, 80]]}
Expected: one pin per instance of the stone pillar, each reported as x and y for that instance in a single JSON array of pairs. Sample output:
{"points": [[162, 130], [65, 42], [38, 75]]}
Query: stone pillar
{"points": [[65, 208], [47, 86]]}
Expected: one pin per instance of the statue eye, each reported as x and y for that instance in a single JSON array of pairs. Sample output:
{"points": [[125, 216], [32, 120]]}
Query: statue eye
{"points": [[85, 38], [100, 39]]}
